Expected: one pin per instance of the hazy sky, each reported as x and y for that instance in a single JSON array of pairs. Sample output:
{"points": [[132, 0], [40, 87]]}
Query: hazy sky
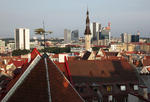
{"points": [[124, 15]]}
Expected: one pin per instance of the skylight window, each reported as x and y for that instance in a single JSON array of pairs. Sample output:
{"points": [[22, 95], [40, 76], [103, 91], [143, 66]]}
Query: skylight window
{"points": [[109, 88], [135, 87], [123, 88], [110, 98]]}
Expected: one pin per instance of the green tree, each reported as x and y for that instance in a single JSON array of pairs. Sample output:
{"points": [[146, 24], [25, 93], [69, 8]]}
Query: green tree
{"points": [[20, 52], [56, 50], [96, 48]]}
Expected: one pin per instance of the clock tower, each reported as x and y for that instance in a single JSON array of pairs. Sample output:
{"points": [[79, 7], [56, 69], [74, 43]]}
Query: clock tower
{"points": [[87, 33]]}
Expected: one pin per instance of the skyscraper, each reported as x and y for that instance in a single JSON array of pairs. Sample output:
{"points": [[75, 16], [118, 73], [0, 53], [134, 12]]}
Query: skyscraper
{"points": [[75, 35], [95, 28], [22, 38], [104, 36], [67, 36], [135, 38], [126, 38], [87, 33]]}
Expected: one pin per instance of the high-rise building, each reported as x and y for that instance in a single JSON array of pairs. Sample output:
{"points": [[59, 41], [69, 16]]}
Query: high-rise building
{"points": [[126, 38], [135, 38], [95, 28], [2, 46], [75, 35], [22, 38], [104, 36], [67, 36], [2, 43], [87, 33]]}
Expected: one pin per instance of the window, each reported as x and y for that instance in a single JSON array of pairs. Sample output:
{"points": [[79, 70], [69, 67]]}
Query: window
{"points": [[110, 98], [123, 88], [135, 87], [109, 88], [81, 89]]}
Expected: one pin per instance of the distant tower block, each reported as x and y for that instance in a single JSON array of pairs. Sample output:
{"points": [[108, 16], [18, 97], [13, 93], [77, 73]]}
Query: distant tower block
{"points": [[87, 33], [22, 38]]}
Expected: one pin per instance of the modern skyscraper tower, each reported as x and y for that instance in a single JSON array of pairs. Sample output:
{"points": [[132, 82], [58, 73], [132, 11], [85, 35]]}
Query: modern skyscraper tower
{"points": [[87, 33], [67, 36], [22, 38]]}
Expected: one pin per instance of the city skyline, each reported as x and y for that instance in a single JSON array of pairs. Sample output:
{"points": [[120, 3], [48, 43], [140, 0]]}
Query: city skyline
{"points": [[125, 16]]}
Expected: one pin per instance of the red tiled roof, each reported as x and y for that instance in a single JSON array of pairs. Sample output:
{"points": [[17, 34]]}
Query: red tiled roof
{"points": [[148, 69], [104, 71], [55, 56], [61, 66], [146, 62], [18, 63], [35, 88], [111, 53], [71, 58], [98, 56], [76, 53], [61, 89], [15, 79], [131, 52]]}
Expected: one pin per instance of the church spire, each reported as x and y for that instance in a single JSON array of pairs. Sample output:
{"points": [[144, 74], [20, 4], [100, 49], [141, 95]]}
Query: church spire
{"points": [[87, 30]]}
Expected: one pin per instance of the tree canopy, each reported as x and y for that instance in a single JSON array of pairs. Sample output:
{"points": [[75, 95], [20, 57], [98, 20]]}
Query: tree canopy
{"points": [[20, 52], [56, 50]]}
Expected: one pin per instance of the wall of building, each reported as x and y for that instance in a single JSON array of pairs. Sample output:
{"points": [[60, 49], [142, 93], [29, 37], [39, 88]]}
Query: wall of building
{"points": [[67, 36], [22, 38]]}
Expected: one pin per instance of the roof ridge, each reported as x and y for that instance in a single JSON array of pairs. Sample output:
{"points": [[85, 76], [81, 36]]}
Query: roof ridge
{"points": [[48, 81]]}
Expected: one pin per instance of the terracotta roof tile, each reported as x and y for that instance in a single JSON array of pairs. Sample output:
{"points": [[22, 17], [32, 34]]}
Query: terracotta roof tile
{"points": [[105, 70], [35, 88], [61, 87], [146, 61], [111, 53]]}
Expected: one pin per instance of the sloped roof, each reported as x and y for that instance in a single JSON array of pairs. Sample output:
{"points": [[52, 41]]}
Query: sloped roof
{"points": [[34, 88], [61, 89], [111, 53], [86, 55], [55, 56], [102, 71], [146, 62]]}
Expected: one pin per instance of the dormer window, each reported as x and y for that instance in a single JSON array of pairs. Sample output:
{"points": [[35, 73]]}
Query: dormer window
{"points": [[110, 98], [109, 88], [122, 87], [135, 87]]}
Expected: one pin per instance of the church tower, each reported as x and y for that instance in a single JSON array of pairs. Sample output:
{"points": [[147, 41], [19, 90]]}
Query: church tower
{"points": [[87, 33]]}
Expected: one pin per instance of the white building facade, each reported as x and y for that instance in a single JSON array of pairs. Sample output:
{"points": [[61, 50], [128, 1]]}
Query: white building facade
{"points": [[22, 38], [95, 28], [67, 36]]}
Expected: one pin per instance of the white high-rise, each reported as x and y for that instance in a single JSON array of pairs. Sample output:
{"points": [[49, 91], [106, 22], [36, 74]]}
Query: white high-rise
{"points": [[126, 38], [95, 28], [67, 36], [22, 38]]}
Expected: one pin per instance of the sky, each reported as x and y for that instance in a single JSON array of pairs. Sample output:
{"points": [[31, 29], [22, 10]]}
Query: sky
{"points": [[125, 15]]}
